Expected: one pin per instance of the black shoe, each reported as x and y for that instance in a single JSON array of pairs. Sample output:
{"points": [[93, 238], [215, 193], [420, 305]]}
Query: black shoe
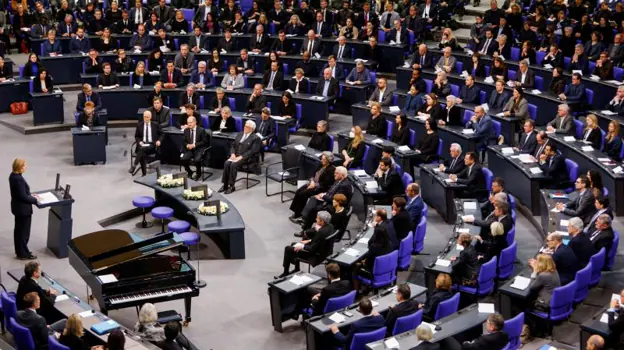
{"points": [[280, 276], [223, 188], [230, 190], [132, 169], [295, 219], [30, 256], [196, 177], [189, 174], [298, 234]]}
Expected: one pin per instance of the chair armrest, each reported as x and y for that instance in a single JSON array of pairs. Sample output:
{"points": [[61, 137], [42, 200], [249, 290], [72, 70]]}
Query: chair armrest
{"points": [[133, 147], [206, 151]]}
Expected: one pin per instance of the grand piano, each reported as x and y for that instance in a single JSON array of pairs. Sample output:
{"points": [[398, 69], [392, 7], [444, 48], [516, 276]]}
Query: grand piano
{"points": [[125, 270]]}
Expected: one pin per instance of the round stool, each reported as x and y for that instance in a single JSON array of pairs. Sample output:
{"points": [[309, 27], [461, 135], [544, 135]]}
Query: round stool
{"points": [[162, 213], [190, 239], [143, 202], [178, 226]]}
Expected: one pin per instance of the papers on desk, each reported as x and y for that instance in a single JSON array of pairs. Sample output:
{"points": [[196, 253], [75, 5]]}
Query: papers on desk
{"points": [[501, 114], [449, 181], [371, 185], [443, 262], [352, 252], [521, 283], [300, 279], [463, 230], [489, 80], [360, 173], [109, 87], [86, 314], [604, 318], [47, 197], [470, 205], [337, 317], [136, 86], [617, 169], [363, 240], [468, 131], [395, 109], [110, 278], [432, 327], [510, 83], [536, 92], [558, 195], [61, 297], [403, 148], [468, 218], [507, 150], [300, 147], [614, 82], [564, 223], [391, 343], [594, 77], [486, 308], [605, 160], [317, 55], [378, 141], [555, 210], [277, 117], [535, 170], [577, 71], [615, 297], [374, 303], [548, 66], [314, 97], [569, 139], [587, 149]]}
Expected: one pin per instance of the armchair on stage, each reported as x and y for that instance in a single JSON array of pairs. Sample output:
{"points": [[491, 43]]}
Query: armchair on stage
{"points": [[59, 219]]}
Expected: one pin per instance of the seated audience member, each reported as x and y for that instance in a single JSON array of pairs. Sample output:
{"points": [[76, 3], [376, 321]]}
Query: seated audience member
{"points": [[147, 326], [442, 292], [401, 219], [311, 44], [195, 142], [359, 75], [579, 243], [456, 164], [616, 105], [499, 70], [418, 80], [116, 341], [320, 140], [377, 124], [185, 60], [172, 332], [583, 205], [336, 70], [266, 129], [595, 182], [415, 204], [427, 146], [557, 83], [36, 324], [381, 94], [517, 106], [469, 93], [447, 61], [496, 337], [372, 51], [542, 141], [353, 151], [602, 235], [306, 249], [595, 342], [256, 101], [88, 95], [51, 46], [226, 123], [88, 117], [328, 86], [525, 77], [189, 96], [604, 67], [272, 80], [422, 58], [189, 111], [379, 244], [29, 283], [431, 109], [616, 321], [601, 204], [471, 176], [92, 64], [324, 200], [499, 97], [545, 279], [450, 115], [43, 82], [483, 127], [140, 76], [299, 83], [496, 194], [340, 217], [424, 335], [613, 141], [400, 131], [404, 306], [171, 77], [493, 238], [244, 63], [381, 219], [233, 80], [141, 41], [566, 262], [148, 138], [306, 64], [202, 78], [413, 100], [574, 94], [335, 287], [441, 86], [244, 152], [553, 165], [123, 63], [563, 123], [71, 336], [389, 181], [108, 78], [528, 139], [220, 101], [465, 267], [554, 57], [321, 182], [160, 113], [592, 133], [370, 322], [32, 66], [79, 43]]}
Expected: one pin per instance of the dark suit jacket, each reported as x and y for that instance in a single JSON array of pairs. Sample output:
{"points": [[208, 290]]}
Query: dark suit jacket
{"points": [[230, 124], [345, 187], [377, 127], [582, 206], [402, 224], [426, 61], [48, 82], [256, 105], [363, 325], [496, 340], [108, 80], [82, 99], [21, 200], [325, 29], [498, 104], [303, 85], [425, 345], [528, 143], [414, 208], [470, 95], [83, 120], [404, 308], [557, 171], [391, 184], [566, 262], [260, 45], [267, 130], [321, 142], [176, 76], [224, 103], [391, 36], [184, 99], [27, 285], [452, 116], [202, 139], [346, 52], [247, 149], [603, 240], [529, 81], [208, 78], [491, 48], [582, 248], [226, 45], [432, 302], [279, 45], [277, 80], [332, 290], [318, 246], [119, 26], [316, 47], [333, 85], [475, 180], [37, 326], [202, 43], [595, 137], [157, 135]]}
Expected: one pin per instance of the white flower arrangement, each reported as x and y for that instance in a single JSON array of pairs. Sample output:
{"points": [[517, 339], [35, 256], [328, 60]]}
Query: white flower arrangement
{"points": [[167, 181], [212, 210], [195, 195]]}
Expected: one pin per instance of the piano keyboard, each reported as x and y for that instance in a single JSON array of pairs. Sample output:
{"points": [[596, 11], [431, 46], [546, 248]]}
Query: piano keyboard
{"points": [[168, 292]]}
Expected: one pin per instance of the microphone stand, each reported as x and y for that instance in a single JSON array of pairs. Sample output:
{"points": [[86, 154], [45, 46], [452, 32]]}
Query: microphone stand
{"points": [[199, 283]]}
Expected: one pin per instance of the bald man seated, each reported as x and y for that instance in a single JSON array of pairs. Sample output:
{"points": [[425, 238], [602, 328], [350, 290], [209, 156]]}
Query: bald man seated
{"points": [[196, 140], [148, 137]]}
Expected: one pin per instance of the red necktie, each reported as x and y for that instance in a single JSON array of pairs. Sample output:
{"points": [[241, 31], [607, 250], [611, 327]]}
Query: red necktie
{"points": [[170, 78]]}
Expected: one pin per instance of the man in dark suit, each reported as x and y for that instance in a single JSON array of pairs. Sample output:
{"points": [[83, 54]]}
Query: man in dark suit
{"points": [[602, 236], [401, 219], [542, 140], [160, 114], [496, 338], [398, 34], [125, 25], [367, 15], [389, 181], [483, 127], [281, 45], [189, 96], [245, 63], [138, 13], [498, 186], [323, 200], [580, 244], [35, 323], [583, 205], [321, 29], [566, 262], [616, 105], [335, 288], [171, 77], [259, 40], [472, 176], [311, 44], [266, 128], [470, 93], [489, 44], [553, 165], [202, 78], [148, 137], [202, 12], [317, 245], [381, 220], [498, 97], [415, 204], [422, 58], [278, 16], [321, 182], [328, 86], [525, 77], [616, 324], [227, 43], [370, 322], [165, 13], [273, 79], [528, 139], [88, 95], [244, 151], [28, 283], [602, 207], [195, 142], [197, 41], [456, 164], [256, 101], [575, 94], [336, 69], [342, 50], [404, 307], [68, 27]]}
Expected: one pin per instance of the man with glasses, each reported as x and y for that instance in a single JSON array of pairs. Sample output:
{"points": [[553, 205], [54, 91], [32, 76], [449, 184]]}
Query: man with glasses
{"points": [[583, 205]]}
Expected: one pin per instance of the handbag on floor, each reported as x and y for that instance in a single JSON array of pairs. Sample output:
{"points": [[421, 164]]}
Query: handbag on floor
{"points": [[18, 108]]}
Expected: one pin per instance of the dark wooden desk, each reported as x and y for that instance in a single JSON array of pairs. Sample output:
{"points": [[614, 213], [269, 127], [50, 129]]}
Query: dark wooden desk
{"points": [[438, 193]]}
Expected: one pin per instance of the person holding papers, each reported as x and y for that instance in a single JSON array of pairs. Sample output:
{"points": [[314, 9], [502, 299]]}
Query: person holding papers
{"points": [[353, 151], [528, 139], [195, 142], [469, 93], [456, 164], [359, 75], [141, 41], [87, 117], [545, 280], [148, 137], [616, 320], [517, 106], [22, 201], [563, 123], [554, 166], [583, 205], [465, 267], [613, 141], [244, 151], [580, 243]]}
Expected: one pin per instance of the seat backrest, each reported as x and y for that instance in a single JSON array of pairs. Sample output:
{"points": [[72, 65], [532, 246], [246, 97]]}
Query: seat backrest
{"points": [[603, 134], [487, 70], [419, 236], [389, 126], [511, 235], [429, 85], [53, 344], [360, 340], [439, 147], [455, 90], [497, 127], [425, 210], [340, 302], [612, 251], [579, 128], [515, 54], [618, 73], [405, 251], [9, 308], [412, 138], [487, 273], [459, 67], [365, 156], [506, 261], [539, 57], [592, 66], [513, 328], [511, 74], [232, 102], [384, 269], [572, 170], [561, 302], [331, 143], [373, 78], [566, 62], [467, 115], [238, 124], [447, 307], [489, 178], [512, 201], [407, 322], [582, 283], [590, 96], [539, 83], [23, 337], [597, 261], [407, 179]]}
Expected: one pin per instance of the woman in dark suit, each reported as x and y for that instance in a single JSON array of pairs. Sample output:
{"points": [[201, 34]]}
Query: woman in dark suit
{"points": [[339, 218], [592, 132], [52, 47], [286, 107], [219, 101], [43, 83], [379, 244], [320, 140], [400, 132], [353, 151], [88, 117], [428, 144], [33, 66], [465, 266], [441, 293], [499, 70], [21, 208], [451, 115], [477, 68], [72, 334], [226, 123], [528, 52], [400, 218], [321, 182], [215, 63], [431, 108], [613, 141]]}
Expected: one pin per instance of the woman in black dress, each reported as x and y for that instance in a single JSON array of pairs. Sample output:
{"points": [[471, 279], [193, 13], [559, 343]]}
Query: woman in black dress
{"points": [[428, 144], [379, 244], [400, 132], [215, 63], [33, 66], [465, 267], [179, 24], [43, 83], [477, 68], [155, 61], [442, 292], [106, 43], [431, 108], [320, 140], [286, 106], [21, 207], [72, 334], [339, 219], [499, 70], [353, 151]]}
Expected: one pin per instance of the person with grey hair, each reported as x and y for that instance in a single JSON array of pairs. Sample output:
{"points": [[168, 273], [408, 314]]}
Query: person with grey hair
{"points": [[424, 336], [490, 245], [259, 40], [581, 244], [566, 262], [320, 140], [602, 236], [196, 140], [317, 245], [185, 60], [245, 151], [266, 130], [323, 200], [202, 78], [322, 180], [189, 96], [456, 164], [256, 101], [563, 123]]}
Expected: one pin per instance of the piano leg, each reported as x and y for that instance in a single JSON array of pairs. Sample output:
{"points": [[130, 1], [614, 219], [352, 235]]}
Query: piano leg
{"points": [[104, 311], [187, 310]]}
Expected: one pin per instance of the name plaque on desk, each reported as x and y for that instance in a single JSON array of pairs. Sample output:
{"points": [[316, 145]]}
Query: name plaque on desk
{"points": [[181, 175], [217, 204], [203, 188]]}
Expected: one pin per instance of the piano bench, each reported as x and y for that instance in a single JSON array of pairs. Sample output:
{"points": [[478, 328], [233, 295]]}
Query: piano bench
{"points": [[168, 316], [143, 202]]}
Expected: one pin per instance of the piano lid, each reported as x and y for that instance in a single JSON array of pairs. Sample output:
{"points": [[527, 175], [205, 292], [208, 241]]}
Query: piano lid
{"points": [[103, 249]]}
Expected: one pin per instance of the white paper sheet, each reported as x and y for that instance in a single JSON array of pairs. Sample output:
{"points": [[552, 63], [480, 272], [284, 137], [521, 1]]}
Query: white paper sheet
{"points": [[604, 318], [443, 262], [486, 308], [300, 147], [535, 170], [468, 131], [607, 112], [110, 278], [404, 148], [521, 283], [463, 230], [86, 314], [469, 218], [432, 327], [459, 247], [507, 150], [378, 141], [61, 298], [391, 343], [336, 317], [47, 197], [352, 252], [363, 240], [564, 223], [371, 185], [359, 172], [470, 205], [569, 139]]}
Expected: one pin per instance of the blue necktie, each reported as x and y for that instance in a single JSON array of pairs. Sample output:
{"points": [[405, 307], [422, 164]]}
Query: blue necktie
{"points": [[326, 88]]}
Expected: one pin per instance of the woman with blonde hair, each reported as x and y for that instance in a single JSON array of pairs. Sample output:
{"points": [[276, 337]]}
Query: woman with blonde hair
{"points": [[613, 141], [546, 279], [441, 293], [73, 332], [140, 77], [592, 133], [353, 151], [21, 207]]}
